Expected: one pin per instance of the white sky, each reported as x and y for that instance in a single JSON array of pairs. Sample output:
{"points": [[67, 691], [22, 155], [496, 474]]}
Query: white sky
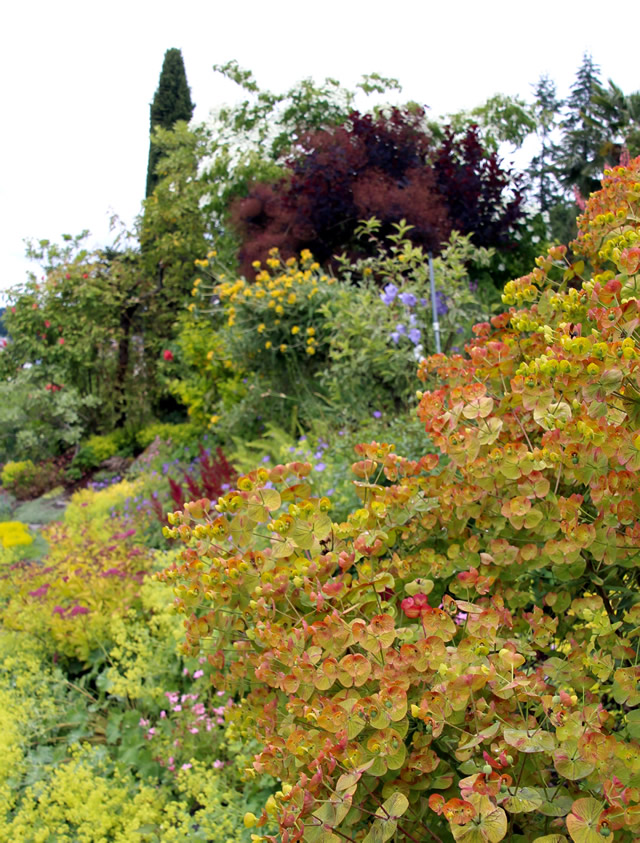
{"points": [[78, 78]]}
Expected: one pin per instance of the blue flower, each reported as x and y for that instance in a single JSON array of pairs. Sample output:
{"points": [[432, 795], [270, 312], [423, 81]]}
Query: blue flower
{"points": [[388, 294], [441, 304], [415, 335], [400, 328], [394, 336], [320, 466], [377, 414], [408, 299]]}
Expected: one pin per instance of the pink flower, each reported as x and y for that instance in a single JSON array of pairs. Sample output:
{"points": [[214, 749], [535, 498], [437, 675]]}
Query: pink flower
{"points": [[167, 354], [198, 674], [61, 340]]}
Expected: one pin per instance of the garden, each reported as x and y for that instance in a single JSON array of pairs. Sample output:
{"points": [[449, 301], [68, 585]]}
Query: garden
{"points": [[319, 516]]}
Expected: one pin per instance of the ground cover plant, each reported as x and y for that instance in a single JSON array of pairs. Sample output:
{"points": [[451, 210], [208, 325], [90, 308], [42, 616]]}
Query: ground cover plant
{"points": [[106, 731], [458, 658]]}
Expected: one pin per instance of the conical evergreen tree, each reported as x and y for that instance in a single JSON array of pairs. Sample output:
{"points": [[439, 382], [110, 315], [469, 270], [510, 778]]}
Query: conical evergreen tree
{"points": [[172, 102], [580, 160], [542, 170]]}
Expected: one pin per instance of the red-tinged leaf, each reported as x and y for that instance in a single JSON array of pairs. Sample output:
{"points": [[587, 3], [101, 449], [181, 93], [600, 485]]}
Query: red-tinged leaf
{"points": [[436, 802], [626, 685], [393, 702], [300, 491], [382, 628], [347, 780], [354, 669], [584, 819], [290, 684], [458, 811], [488, 826], [332, 718], [478, 408]]}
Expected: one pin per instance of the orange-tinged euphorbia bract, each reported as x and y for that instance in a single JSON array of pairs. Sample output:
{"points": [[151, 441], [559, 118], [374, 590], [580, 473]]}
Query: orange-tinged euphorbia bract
{"points": [[459, 658]]}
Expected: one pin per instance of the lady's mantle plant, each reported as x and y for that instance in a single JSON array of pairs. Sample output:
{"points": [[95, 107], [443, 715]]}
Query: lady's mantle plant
{"points": [[459, 658]]}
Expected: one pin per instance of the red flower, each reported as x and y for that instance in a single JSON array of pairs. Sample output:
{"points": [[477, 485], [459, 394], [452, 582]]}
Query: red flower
{"points": [[168, 355]]}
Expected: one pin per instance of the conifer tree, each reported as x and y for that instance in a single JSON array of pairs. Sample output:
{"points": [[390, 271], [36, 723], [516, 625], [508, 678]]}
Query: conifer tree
{"points": [[580, 159], [171, 102], [542, 170]]}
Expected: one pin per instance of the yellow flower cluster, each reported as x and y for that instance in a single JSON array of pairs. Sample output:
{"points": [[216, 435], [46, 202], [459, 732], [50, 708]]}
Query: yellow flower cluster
{"points": [[14, 533], [282, 291]]}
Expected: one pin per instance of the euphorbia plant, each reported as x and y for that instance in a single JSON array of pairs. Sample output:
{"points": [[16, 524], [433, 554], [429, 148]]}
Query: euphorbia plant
{"points": [[459, 658]]}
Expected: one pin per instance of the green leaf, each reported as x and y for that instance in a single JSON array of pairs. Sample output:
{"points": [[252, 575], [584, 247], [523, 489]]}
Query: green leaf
{"points": [[385, 824], [532, 740], [633, 723], [334, 811], [524, 800], [270, 498]]}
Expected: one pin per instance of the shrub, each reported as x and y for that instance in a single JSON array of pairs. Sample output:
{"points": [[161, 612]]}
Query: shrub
{"points": [[12, 471], [313, 347], [382, 165], [458, 658], [37, 422], [96, 449], [26, 480], [179, 434]]}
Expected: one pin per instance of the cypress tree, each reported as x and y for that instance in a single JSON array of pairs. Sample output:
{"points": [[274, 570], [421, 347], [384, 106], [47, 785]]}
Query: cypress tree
{"points": [[172, 102]]}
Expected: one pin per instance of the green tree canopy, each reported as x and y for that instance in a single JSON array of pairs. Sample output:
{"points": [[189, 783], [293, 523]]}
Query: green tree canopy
{"points": [[171, 102]]}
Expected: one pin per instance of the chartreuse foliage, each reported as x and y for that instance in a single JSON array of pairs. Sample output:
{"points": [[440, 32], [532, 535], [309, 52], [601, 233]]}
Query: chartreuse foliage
{"points": [[458, 659], [89, 660]]}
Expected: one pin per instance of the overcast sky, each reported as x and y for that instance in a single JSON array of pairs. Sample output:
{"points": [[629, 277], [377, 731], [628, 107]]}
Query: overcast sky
{"points": [[78, 78]]}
